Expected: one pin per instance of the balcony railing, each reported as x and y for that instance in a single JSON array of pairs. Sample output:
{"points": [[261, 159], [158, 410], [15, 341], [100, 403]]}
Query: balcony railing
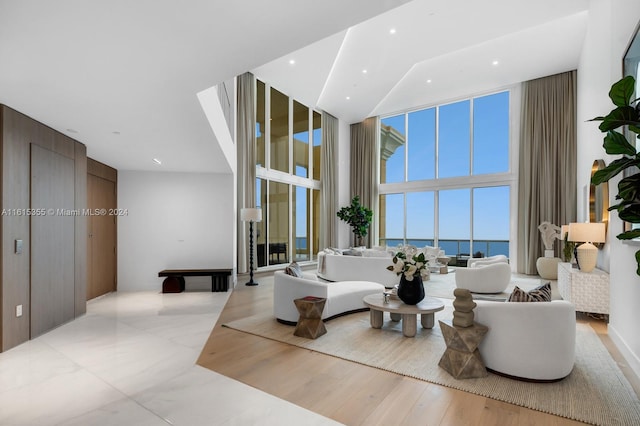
{"points": [[455, 248]]}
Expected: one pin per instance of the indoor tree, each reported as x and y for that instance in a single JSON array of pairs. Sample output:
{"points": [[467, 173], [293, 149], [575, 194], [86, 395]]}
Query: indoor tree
{"points": [[626, 114], [358, 217]]}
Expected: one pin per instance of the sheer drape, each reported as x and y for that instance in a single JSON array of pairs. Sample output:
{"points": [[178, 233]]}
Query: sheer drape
{"points": [[364, 168], [246, 140], [547, 175], [329, 188]]}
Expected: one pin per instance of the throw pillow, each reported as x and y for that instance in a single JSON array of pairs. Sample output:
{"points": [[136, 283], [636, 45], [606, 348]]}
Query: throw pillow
{"points": [[538, 294], [294, 270]]}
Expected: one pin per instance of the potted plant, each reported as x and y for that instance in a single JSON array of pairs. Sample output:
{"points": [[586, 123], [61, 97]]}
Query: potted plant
{"points": [[626, 113], [358, 217]]}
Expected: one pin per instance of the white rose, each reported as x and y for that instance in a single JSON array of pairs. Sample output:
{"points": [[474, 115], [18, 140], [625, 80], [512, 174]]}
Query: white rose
{"points": [[410, 271], [398, 266]]}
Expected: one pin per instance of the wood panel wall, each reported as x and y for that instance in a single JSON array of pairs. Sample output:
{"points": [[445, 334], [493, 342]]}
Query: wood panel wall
{"points": [[17, 134], [52, 240]]}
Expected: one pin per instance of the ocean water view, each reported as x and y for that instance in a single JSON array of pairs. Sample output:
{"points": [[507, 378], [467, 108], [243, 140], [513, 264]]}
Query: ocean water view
{"points": [[481, 248]]}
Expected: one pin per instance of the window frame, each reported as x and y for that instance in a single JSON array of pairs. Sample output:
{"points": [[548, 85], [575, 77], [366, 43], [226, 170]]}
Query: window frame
{"points": [[470, 181], [289, 178]]}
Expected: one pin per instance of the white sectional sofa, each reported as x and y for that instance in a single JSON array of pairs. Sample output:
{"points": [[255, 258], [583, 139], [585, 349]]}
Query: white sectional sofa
{"points": [[528, 340], [334, 267], [342, 297]]}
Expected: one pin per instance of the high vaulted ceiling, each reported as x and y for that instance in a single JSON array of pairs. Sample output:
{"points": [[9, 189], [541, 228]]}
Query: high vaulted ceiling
{"points": [[123, 76]]}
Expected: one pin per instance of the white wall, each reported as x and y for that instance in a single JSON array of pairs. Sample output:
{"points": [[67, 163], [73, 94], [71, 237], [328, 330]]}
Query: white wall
{"points": [[611, 25], [174, 221]]}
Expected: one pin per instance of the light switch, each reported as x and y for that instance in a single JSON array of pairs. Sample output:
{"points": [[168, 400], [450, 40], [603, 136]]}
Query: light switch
{"points": [[18, 246], [19, 311]]}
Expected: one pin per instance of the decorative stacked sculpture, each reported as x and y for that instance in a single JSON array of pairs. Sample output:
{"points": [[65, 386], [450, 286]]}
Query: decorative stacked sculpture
{"points": [[463, 305]]}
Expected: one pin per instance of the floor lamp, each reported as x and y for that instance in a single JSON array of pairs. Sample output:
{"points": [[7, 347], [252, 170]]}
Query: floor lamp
{"points": [[251, 215]]}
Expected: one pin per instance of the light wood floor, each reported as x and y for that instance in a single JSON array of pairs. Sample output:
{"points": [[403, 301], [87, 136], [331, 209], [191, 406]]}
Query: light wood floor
{"points": [[348, 392]]}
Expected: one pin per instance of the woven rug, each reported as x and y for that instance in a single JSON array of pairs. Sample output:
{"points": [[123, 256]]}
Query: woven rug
{"points": [[595, 392]]}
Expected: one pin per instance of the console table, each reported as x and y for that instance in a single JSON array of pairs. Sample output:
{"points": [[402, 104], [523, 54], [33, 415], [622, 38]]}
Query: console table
{"points": [[588, 291], [174, 283]]}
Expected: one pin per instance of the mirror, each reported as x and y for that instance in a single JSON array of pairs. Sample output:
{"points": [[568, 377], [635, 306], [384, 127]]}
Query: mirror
{"points": [[632, 59], [598, 197]]}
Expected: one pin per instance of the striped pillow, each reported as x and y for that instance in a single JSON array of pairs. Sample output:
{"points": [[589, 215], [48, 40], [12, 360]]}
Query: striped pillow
{"points": [[294, 270], [538, 294]]}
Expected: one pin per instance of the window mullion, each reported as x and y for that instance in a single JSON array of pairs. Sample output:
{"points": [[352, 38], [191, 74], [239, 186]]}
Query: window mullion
{"points": [[471, 137], [406, 148], [437, 153], [267, 126]]}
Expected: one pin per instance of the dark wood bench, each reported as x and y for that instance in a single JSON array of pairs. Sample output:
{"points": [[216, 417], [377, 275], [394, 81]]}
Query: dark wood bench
{"points": [[174, 283]]}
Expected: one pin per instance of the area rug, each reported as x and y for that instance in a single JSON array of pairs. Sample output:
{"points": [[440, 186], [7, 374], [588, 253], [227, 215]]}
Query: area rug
{"points": [[595, 392]]}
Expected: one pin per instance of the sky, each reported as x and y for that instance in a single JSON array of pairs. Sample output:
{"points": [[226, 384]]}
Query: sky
{"points": [[482, 123]]}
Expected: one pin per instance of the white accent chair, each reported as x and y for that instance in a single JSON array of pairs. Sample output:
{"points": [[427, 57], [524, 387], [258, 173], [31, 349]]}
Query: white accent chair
{"points": [[528, 340], [342, 297], [488, 278]]}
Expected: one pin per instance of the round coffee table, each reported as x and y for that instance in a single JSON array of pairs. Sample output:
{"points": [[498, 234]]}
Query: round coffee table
{"points": [[408, 313]]}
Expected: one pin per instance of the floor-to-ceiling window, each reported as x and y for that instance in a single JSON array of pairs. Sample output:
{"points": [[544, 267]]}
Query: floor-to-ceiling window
{"points": [[289, 136], [446, 177]]}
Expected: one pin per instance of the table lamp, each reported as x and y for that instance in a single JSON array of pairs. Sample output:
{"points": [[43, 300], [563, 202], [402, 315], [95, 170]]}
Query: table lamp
{"points": [[587, 234], [251, 215]]}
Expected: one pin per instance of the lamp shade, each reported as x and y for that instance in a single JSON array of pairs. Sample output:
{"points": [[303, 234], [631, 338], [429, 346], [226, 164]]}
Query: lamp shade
{"points": [[587, 232], [251, 215]]}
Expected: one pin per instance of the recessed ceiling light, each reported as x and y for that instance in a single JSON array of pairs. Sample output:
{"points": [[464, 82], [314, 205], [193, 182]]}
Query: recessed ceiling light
{"points": [[72, 131], [364, 71], [158, 162], [495, 63], [116, 132], [429, 81], [292, 61], [392, 31], [348, 97]]}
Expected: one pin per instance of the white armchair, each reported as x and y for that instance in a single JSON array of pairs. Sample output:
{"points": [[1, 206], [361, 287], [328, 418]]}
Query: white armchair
{"points": [[528, 340], [488, 278]]}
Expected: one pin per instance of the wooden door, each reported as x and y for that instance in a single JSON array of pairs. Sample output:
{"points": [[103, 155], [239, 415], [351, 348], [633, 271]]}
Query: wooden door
{"points": [[101, 245], [52, 240]]}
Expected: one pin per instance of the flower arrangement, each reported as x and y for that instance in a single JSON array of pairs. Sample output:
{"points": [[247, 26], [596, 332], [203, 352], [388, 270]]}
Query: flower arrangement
{"points": [[409, 261]]}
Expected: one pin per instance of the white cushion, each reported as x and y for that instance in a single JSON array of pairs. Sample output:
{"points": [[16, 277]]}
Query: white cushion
{"points": [[377, 253], [477, 261]]}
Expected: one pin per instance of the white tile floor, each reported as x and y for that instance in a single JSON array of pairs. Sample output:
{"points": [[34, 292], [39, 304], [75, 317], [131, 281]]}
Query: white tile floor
{"points": [[131, 361]]}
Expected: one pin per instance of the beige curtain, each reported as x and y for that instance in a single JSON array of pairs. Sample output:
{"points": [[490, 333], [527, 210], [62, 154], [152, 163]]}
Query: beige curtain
{"points": [[547, 176], [246, 146], [329, 184], [365, 143]]}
